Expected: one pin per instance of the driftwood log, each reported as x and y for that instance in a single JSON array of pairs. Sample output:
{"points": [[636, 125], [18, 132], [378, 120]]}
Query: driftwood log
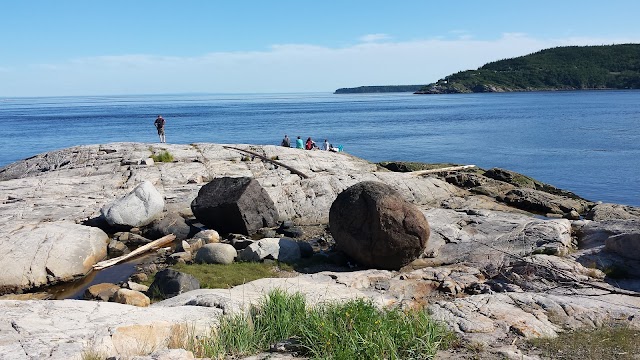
{"points": [[163, 241], [434, 171], [297, 172]]}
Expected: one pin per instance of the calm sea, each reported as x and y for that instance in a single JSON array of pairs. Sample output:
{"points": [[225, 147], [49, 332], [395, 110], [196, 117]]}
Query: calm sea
{"points": [[587, 142]]}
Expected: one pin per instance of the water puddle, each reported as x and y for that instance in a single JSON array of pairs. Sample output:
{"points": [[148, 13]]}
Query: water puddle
{"points": [[114, 274]]}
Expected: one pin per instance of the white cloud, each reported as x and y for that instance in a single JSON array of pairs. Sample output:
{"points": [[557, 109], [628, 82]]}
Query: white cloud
{"points": [[281, 68], [374, 37]]}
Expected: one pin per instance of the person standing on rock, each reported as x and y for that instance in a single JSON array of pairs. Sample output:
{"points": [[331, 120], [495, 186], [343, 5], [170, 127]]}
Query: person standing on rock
{"points": [[159, 123], [286, 142], [299, 143]]}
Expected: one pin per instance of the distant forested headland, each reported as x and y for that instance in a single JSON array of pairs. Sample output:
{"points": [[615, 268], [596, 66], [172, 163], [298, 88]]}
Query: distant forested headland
{"points": [[379, 89], [562, 68]]}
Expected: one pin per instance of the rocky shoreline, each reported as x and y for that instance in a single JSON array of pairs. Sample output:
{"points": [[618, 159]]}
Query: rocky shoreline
{"points": [[508, 257]]}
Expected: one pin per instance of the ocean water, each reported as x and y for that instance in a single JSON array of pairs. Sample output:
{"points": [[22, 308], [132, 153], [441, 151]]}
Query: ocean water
{"points": [[587, 142]]}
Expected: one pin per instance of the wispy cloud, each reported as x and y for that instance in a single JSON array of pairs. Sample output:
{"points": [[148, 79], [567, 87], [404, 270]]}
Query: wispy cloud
{"points": [[374, 37], [281, 68]]}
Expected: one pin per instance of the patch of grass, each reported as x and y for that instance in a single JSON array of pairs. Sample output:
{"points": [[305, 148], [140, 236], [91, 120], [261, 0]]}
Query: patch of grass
{"points": [[163, 156], [219, 276], [608, 342], [352, 330], [91, 354]]}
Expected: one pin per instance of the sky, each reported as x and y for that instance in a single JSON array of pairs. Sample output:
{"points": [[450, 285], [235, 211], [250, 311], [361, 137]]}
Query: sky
{"points": [[118, 47]]}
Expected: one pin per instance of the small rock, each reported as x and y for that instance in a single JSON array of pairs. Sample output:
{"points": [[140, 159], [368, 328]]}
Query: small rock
{"points": [[139, 277], [208, 236], [185, 246], [137, 287], [293, 232], [131, 297], [103, 291], [572, 215], [117, 248], [180, 257], [169, 283], [216, 254]]}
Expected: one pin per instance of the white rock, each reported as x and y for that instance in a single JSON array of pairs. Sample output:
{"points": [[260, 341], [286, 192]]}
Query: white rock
{"points": [[216, 253], [37, 254], [137, 208], [62, 330], [208, 236]]}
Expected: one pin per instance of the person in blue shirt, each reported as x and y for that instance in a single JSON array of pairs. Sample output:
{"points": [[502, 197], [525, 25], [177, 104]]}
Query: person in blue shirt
{"points": [[299, 143]]}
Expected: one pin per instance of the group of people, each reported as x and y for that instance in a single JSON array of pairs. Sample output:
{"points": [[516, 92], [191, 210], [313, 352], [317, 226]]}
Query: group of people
{"points": [[286, 142], [308, 145]]}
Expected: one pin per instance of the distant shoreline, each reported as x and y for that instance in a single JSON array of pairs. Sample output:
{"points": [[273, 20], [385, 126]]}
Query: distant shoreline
{"points": [[379, 89]]}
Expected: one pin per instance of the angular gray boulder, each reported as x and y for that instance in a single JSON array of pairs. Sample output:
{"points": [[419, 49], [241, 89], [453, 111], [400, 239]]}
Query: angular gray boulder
{"points": [[373, 224], [280, 249], [170, 223], [138, 208], [47, 253], [169, 283], [234, 205]]}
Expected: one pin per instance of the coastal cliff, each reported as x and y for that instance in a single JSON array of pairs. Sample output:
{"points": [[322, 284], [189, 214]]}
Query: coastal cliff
{"points": [[534, 259]]}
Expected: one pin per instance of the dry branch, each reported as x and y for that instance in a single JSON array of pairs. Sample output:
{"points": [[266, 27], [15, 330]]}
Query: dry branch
{"points": [[165, 240], [297, 172]]}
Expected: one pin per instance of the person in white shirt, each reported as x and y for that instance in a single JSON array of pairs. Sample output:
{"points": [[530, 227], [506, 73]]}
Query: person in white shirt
{"points": [[325, 145]]}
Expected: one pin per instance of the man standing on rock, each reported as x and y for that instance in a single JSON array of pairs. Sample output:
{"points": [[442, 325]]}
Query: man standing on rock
{"points": [[159, 123]]}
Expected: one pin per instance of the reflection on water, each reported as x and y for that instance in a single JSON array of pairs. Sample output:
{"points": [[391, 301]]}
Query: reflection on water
{"points": [[114, 274]]}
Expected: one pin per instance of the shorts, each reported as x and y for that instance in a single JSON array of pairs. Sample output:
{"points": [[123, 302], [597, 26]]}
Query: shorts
{"points": [[161, 131]]}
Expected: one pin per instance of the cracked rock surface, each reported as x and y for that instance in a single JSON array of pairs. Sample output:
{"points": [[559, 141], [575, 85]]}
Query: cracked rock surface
{"points": [[491, 273]]}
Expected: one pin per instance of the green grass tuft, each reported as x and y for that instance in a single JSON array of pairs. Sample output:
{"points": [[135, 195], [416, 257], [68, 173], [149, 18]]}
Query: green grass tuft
{"points": [[353, 330], [163, 156]]}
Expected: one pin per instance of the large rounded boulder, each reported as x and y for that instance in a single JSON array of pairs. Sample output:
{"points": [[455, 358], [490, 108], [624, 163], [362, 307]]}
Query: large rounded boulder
{"points": [[374, 225], [234, 205], [138, 208]]}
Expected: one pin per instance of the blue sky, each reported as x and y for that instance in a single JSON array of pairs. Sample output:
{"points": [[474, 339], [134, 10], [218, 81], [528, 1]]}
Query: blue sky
{"points": [[73, 47]]}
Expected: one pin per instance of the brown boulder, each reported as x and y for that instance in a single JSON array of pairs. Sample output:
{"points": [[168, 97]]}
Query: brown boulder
{"points": [[102, 291], [375, 226], [131, 297]]}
